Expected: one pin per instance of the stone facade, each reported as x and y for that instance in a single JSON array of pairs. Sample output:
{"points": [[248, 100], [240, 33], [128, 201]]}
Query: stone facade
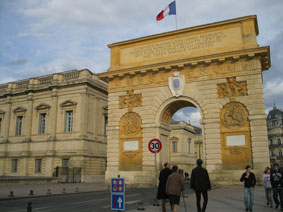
{"points": [[216, 68], [184, 146], [54, 121], [275, 135]]}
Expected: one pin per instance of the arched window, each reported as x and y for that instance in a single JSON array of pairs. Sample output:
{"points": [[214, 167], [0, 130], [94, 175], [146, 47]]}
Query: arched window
{"points": [[174, 146], [189, 145], [279, 141], [280, 153]]}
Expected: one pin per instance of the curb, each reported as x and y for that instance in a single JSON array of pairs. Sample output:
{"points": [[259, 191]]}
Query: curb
{"points": [[49, 195]]}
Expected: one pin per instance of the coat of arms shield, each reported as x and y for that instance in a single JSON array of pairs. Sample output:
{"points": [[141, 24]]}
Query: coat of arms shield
{"points": [[176, 84]]}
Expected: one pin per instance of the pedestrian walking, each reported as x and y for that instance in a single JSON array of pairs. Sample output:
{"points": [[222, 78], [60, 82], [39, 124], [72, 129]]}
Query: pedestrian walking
{"points": [[249, 183], [163, 176], [267, 186], [277, 185], [174, 187], [200, 183]]}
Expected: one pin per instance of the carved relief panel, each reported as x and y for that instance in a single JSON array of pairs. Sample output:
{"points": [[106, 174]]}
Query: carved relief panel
{"points": [[130, 142], [235, 136], [232, 88], [130, 100]]}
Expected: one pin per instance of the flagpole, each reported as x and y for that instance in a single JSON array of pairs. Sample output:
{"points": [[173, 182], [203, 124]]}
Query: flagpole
{"points": [[176, 15]]}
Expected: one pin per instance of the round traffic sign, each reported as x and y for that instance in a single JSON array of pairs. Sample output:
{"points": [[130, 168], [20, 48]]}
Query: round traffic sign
{"points": [[154, 145]]}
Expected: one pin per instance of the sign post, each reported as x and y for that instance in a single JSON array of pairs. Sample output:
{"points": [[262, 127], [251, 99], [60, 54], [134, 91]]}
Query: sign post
{"points": [[118, 194], [155, 146]]}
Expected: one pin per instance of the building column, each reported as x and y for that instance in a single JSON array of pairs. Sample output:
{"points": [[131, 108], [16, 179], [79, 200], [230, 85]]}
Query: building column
{"points": [[6, 132], [29, 117], [84, 114], [53, 125], [7, 119], [99, 131], [53, 114]]}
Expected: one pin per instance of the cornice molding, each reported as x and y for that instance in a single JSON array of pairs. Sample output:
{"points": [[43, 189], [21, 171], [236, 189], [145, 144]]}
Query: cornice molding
{"points": [[262, 52]]}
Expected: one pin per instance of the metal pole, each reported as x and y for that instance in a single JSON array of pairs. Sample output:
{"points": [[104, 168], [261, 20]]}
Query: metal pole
{"points": [[155, 178], [176, 14], [155, 201]]}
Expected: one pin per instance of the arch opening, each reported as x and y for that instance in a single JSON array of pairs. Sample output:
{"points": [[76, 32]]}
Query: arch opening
{"points": [[181, 134]]}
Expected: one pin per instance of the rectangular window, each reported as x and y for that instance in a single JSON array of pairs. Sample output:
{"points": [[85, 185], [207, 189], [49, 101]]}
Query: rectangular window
{"points": [[0, 126], [189, 147], [68, 121], [14, 165], [174, 146], [19, 124], [65, 164], [42, 123], [38, 165]]}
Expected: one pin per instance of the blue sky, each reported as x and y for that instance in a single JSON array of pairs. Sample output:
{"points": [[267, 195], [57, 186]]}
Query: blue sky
{"points": [[39, 37]]}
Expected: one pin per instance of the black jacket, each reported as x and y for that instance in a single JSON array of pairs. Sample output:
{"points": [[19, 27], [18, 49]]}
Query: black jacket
{"points": [[164, 174], [200, 179], [250, 181], [276, 178]]}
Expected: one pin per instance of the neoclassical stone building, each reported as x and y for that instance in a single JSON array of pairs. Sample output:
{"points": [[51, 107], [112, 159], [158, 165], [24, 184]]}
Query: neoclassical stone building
{"points": [[216, 68], [57, 120], [275, 135], [183, 146]]}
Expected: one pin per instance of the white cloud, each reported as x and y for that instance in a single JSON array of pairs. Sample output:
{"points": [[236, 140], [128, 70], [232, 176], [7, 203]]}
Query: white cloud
{"points": [[189, 115], [57, 35]]}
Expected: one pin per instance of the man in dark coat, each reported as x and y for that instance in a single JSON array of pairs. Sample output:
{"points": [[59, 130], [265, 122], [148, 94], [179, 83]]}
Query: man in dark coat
{"points": [[276, 179], [249, 183], [200, 183], [163, 176]]}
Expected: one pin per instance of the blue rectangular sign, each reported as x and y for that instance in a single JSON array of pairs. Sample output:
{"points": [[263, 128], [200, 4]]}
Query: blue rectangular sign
{"points": [[117, 185], [117, 201]]}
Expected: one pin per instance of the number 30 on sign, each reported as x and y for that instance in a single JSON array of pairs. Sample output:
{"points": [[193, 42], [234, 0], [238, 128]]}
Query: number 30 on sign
{"points": [[154, 145]]}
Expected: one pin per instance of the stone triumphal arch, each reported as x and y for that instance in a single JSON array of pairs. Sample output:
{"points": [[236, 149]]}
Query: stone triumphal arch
{"points": [[216, 68]]}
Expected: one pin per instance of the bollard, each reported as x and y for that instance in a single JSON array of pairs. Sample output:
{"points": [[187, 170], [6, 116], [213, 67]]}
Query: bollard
{"points": [[63, 190], [11, 194], [77, 189], [29, 208], [31, 192], [140, 207], [48, 191]]}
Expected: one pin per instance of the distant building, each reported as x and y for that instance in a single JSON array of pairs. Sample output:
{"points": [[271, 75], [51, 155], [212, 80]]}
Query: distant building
{"points": [[54, 125], [185, 145], [275, 135]]}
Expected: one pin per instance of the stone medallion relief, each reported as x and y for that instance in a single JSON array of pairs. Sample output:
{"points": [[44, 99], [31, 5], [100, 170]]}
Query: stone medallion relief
{"points": [[234, 115]]}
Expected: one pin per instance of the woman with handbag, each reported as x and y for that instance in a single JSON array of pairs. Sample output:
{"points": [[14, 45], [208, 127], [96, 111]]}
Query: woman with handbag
{"points": [[267, 186]]}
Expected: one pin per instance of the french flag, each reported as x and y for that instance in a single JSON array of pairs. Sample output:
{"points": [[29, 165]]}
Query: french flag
{"points": [[169, 10]]}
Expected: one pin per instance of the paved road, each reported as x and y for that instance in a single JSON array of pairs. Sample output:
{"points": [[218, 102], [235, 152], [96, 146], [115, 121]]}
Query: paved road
{"points": [[84, 202]]}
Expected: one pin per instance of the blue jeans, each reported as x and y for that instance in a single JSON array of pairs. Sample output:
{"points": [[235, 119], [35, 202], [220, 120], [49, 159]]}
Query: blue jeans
{"points": [[268, 195], [276, 191], [249, 197]]}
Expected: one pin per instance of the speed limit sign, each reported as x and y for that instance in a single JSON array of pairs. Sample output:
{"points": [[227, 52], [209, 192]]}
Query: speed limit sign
{"points": [[154, 145]]}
